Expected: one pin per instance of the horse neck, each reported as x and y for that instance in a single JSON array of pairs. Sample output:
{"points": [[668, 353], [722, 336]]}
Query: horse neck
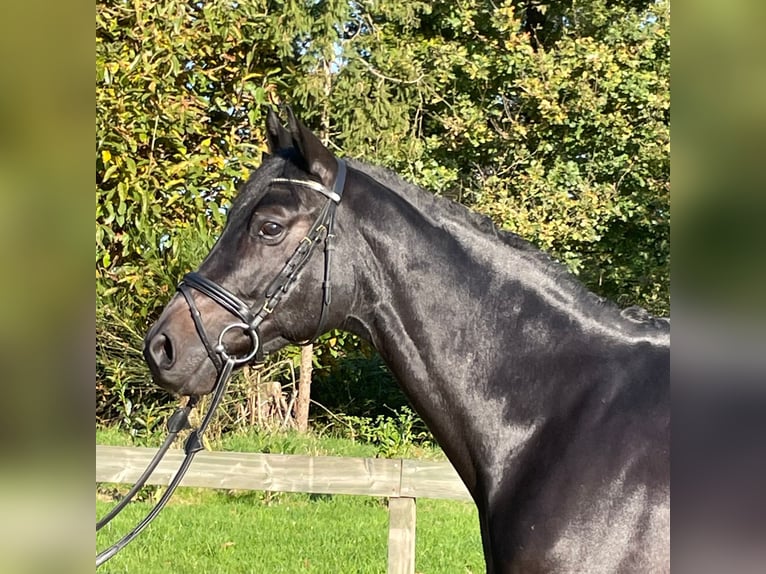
{"points": [[464, 320], [432, 277]]}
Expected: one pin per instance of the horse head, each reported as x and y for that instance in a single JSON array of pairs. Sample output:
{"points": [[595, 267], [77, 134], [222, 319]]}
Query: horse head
{"points": [[264, 257]]}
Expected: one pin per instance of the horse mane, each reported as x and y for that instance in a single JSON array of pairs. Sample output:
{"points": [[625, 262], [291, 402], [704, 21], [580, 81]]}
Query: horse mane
{"points": [[429, 203], [435, 207]]}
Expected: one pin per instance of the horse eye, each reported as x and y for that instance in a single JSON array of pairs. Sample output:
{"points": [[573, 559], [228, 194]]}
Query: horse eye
{"points": [[270, 229]]}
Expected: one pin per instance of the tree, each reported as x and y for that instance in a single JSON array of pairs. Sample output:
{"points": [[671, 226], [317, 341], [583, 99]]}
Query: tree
{"points": [[550, 117]]}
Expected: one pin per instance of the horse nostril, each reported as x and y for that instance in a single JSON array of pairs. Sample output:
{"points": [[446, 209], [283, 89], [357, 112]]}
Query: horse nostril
{"points": [[161, 349], [168, 349]]}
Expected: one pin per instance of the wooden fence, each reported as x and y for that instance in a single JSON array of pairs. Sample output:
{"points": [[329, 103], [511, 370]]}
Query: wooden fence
{"points": [[402, 481]]}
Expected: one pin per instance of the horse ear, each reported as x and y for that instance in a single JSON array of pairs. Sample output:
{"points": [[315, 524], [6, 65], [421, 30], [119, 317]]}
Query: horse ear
{"points": [[277, 136], [319, 160]]}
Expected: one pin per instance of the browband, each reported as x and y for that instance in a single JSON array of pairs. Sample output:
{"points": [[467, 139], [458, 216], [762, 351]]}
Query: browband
{"points": [[334, 194]]}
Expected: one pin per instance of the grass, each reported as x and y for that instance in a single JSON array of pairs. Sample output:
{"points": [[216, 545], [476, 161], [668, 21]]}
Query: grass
{"points": [[218, 531], [289, 442]]}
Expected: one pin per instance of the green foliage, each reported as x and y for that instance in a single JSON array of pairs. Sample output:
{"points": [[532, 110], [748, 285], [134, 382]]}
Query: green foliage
{"points": [[394, 436], [351, 378], [177, 99], [550, 117], [564, 142]]}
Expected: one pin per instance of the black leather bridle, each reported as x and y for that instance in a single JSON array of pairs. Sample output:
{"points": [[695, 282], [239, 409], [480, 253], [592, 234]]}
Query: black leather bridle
{"points": [[250, 320]]}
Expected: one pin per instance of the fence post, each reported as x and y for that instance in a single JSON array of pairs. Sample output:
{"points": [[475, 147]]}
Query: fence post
{"points": [[401, 535]]}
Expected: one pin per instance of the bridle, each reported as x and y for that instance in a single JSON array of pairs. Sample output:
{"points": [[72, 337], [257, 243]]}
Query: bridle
{"points": [[250, 320]]}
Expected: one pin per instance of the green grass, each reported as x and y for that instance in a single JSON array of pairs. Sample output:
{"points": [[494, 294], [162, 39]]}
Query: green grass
{"points": [[218, 531], [286, 443]]}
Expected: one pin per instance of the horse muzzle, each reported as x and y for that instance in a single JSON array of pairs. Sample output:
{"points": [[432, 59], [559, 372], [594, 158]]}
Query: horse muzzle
{"points": [[176, 356]]}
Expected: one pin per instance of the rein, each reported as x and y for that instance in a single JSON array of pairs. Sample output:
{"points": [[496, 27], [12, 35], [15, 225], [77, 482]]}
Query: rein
{"points": [[177, 422], [225, 363]]}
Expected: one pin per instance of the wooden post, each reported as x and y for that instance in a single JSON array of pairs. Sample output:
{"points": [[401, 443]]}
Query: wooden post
{"points": [[401, 536], [304, 389]]}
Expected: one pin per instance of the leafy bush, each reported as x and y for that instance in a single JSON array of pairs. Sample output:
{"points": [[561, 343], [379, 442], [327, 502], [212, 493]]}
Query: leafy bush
{"points": [[393, 436], [351, 378]]}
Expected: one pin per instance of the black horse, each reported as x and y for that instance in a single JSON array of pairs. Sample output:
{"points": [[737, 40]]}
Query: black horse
{"points": [[552, 404]]}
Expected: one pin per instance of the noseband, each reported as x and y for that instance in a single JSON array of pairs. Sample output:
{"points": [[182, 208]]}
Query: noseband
{"points": [[250, 320]]}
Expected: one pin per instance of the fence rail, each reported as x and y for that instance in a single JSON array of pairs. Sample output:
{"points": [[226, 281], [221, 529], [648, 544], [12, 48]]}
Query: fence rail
{"points": [[400, 480]]}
